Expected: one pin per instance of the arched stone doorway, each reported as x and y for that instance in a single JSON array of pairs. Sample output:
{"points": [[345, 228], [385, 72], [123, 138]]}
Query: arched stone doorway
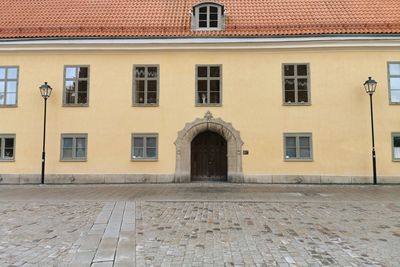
{"points": [[217, 125], [208, 157]]}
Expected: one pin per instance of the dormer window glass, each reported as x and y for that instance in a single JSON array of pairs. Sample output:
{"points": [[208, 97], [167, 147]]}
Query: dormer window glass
{"points": [[207, 17]]}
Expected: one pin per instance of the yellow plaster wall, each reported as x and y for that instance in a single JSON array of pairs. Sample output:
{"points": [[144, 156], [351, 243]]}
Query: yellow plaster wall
{"points": [[338, 118]]}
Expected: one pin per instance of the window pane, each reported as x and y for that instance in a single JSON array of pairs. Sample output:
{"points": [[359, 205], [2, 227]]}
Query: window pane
{"points": [[214, 85], [151, 97], [82, 98], [290, 97], [140, 85], [202, 24], [213, 9], [214, 97], [138, 142], [2, 86], [9, 153], [139, 72], [70, 97], [138, 152], [304, 142], [202, 71], [289, 84], [303, 96], [152, 85], [11, 99], [82, 86], [394, 96], [214, 72], [290, 153], [289, 70], [70, 73], [202, 85], [2, 73], [12, 73], [80, 142], [202, 98], [83, 72], [394, 83], [203, 9], [9, 142], [151, 142], [396, 147], [214, 16], [12, 87], [139, 98], [213, 24], [305, 153], [70, 85], [152, 72], [203, 17], [302, 70], [291, 141], [302, 84], [67, 142], [80, 152], [67, 153], [396, 141], [151, 152], [394, 69]]}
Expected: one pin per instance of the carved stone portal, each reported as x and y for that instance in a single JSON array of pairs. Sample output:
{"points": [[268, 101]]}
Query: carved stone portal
{"points": [[199, 125]]}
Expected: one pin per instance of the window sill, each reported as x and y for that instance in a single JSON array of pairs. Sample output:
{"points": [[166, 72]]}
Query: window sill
{"points": [[145, 105], [75, 105], [73, 160], [144, 160], [396, 160], [394, 103], [7, 160], [296, 104], [8, 106], [299, 160], [208, 105]]}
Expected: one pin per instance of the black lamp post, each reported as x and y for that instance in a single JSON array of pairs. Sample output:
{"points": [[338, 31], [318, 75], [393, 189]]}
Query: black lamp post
{"points": [[370, 87], [45, 91]]}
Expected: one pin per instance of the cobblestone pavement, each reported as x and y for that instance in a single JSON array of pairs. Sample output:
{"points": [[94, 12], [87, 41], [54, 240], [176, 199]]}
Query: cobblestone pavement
{"points": [[199, 225]]}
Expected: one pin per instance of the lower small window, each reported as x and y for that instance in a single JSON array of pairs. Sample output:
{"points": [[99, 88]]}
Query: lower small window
{"points": [[74, 147], [144, 146], [396, 146], [298, 146], [7, 147]]}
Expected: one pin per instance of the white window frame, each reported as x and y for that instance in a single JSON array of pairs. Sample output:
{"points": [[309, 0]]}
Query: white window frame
{"points": [[2, 147], [196, 17], [5, 80], [389, 84]]}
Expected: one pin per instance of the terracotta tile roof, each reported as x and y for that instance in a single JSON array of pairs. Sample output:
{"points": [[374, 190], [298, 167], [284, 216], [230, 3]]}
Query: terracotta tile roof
{"points": [[171, 18]]}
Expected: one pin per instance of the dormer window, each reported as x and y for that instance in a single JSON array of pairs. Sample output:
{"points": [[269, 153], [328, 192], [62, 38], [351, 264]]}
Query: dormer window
{"points": [[208, 17]]}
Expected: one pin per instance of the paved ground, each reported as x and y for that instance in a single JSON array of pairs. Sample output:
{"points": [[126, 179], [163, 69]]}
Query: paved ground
{"points": [[200, 225]]}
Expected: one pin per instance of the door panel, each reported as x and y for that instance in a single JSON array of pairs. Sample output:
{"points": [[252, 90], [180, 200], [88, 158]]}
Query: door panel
{"points": [[209, 157]]}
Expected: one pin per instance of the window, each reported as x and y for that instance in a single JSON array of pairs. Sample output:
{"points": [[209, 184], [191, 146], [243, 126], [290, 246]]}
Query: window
{"points": [[8, 86], [144, 146], [208, 17], [208, 85], [296, 83], [396, 146], [7, 147], [76, 86], [73, 147], [145, 85], [298, 146], [394, 82]]}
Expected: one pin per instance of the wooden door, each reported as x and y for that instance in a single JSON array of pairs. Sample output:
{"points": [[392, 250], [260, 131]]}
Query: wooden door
{"points": [[209, 157]]}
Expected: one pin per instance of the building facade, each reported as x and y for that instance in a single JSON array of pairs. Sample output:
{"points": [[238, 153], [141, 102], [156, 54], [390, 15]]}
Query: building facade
{"points": [[213, 97]]}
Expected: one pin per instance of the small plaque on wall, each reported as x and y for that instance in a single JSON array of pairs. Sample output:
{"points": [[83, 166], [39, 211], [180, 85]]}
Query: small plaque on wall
{"points": [[245, 152]]}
